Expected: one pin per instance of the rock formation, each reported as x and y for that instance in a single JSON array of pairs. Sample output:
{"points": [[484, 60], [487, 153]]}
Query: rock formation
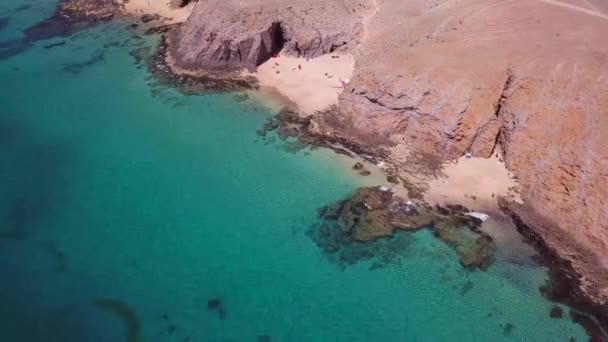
{"points": [[374, 213], [232, 35]]}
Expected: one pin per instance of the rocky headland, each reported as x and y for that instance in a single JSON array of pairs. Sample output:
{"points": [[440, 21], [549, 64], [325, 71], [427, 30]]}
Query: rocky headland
{"points": [[433, 80]]}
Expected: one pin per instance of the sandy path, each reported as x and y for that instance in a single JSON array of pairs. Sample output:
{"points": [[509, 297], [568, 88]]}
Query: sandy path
{"points": [[312, 84], [160, 7], [576, 8]]}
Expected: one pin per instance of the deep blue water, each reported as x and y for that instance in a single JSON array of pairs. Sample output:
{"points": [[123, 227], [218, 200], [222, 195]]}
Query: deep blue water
{"points": [[126, 206]]}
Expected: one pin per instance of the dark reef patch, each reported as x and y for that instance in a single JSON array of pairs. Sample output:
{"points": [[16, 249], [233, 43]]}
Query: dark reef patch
{"points": [[466, 288], [72, 16], [17, 223], [54, 45], [214, 304], [4, 22], [140, 55], [10, 48], [59, 258], [556, 312], [123, 312], [49, 28], [76, 68], [36, 173], [264, 338], [507, 329], [217, 305], [19, 9], [367, 226]]}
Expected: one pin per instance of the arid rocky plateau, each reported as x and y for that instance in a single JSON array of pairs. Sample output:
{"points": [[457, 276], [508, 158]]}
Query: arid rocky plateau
{"points": [[435, 79]]}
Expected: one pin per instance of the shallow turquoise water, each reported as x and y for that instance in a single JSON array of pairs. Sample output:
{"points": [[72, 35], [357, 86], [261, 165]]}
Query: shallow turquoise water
{"points": [[116, 188]]}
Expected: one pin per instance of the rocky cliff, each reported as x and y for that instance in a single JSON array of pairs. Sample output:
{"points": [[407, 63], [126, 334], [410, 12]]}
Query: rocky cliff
{"points": [[528, 78], [232, 35]]}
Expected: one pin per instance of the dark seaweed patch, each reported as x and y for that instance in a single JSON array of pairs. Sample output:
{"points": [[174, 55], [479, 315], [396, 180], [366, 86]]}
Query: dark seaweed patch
{"points": [[264, 338], [214, 303], [122, 312], [10, 48], [19, 9], [17, 223], [222, 314], [59, 258], [76, 68], [507, 329], [48, 28], [466, 287], [556, 312], [141, 54], [4, 22], [50, 46], [381, 253], [35, 174]]}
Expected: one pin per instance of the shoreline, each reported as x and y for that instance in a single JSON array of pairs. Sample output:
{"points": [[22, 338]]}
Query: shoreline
{"points": [[564, 271]]}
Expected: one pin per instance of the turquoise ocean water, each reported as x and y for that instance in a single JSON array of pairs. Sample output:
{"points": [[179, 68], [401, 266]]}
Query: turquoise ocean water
{"points": [[125, 207]]}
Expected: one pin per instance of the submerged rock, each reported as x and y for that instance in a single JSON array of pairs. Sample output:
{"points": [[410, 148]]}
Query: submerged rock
{"points": [[375, 213], [214, 303]]}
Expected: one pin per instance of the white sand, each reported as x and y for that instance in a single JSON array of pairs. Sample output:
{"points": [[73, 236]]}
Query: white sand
{"points": [[475, 183], [161, 7], [309, 87]]}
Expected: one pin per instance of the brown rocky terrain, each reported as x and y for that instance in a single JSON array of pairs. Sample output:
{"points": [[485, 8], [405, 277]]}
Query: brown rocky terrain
{"points": [[232, 35], [526, 77]]}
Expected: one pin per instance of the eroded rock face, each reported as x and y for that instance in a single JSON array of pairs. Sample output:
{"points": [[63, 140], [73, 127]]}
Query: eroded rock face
{"points": [[373, 213], [464, 76], [231, 35]]}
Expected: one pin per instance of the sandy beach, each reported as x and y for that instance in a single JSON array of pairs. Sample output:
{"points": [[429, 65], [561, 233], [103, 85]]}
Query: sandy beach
{"points": [[475, 183], [168, 14], [312, 84]]}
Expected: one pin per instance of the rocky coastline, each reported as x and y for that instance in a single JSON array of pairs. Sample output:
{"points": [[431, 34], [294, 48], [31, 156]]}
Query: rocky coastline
{"points": [[374, 213], [437, 113]]}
